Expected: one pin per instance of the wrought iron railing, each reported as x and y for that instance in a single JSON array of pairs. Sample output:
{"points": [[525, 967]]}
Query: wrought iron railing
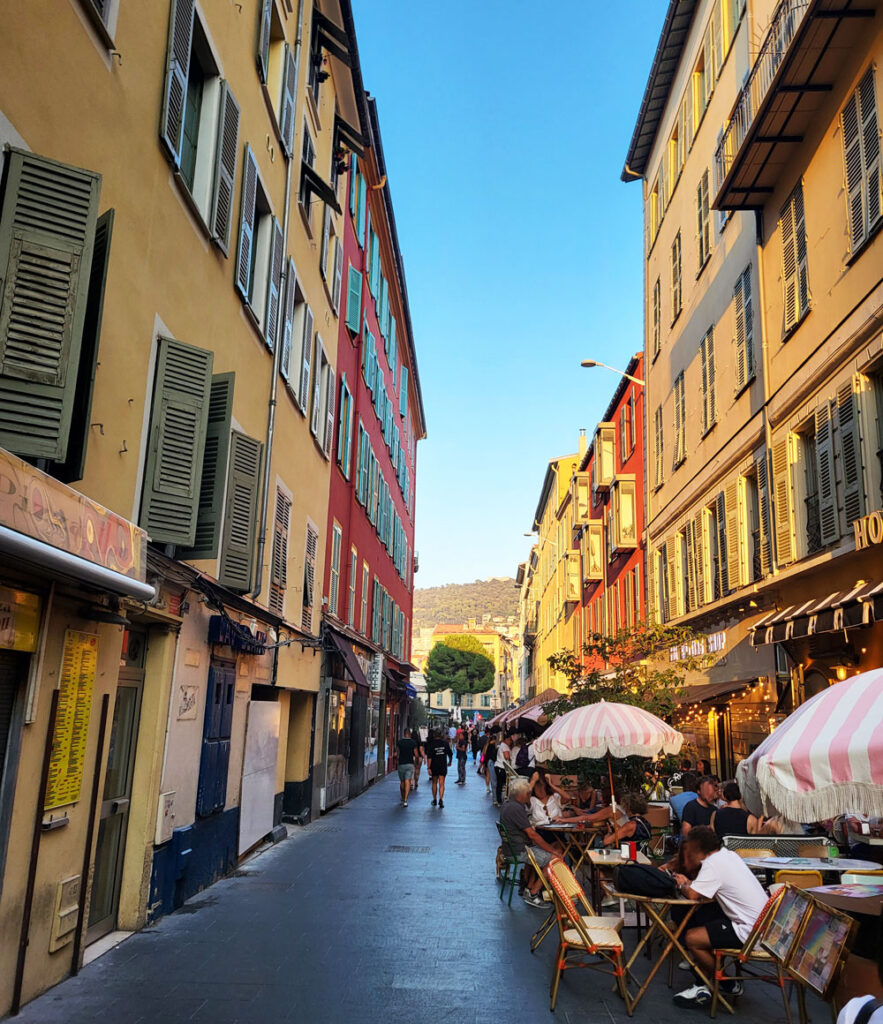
{"points": [[813, 524], [756, 562], [785, 23]]}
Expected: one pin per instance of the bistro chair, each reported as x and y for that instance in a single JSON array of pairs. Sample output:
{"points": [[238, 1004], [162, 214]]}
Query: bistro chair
{"points": [[579, 944], [752, 954], [751, 852], [862, 877], [511, 864], [798, 877]]}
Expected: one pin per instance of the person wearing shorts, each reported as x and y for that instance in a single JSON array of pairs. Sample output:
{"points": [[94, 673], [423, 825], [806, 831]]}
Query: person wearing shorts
{"points": [[514, 815], [406, 748], [438, 756]]}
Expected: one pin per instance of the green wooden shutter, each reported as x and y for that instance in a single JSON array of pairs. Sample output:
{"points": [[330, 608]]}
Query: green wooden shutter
{"points": [[850, 450], [363, 206], [342, 412], [870, 148], [288, 322], [240, 513], [247, 225], [47, 228], [179, 418], [354, 300], [852, 156], [289, 91], [177, 69], [227, 150], [279, 553], [403, 394], [213, 479], [309, 578], [274, 284], [829, 520], [81, 416], [263, 54]]}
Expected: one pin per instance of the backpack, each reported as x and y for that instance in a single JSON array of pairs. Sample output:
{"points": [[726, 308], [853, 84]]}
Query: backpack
{"points": [[645, 880], [522, 758]]}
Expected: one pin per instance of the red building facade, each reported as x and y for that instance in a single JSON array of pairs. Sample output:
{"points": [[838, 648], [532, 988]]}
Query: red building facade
{"points": [[608, 513], [369, 571]]}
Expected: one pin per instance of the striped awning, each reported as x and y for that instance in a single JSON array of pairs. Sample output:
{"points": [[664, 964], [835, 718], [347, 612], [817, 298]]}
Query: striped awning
{"points": [[841, 609]]}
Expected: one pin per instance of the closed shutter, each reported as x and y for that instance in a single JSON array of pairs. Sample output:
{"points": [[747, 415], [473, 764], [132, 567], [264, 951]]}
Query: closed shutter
{"points": [[870, 147], [179, 418], [689, 541], [852, 156], [289, 93], [657, 317], [720, 526], [326, 241], [354, 300], [709, 411], [354, 183], [735, 540], [213, 479], [309, 578], [177, 69], [319, 365], [674, 578], [783, 515], [341, 429], [81, 414], [801, 251], [328, 439], [334, 574], [744, 337], [652, 602], [363, 206], [658, 448], [288, 323], [703, 219], [763, 503], [240, 514], [700, 556], [274, 285], [47, 229], [306, 356], [225, 169], [337, 275], [403, 394], [263, 55], [246, 225], [789, 265], [829, 523], [851, 450], [279, 553]]}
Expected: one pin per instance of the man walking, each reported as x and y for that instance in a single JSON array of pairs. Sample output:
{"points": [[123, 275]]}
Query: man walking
{"points": [[406, 747], [438, 756], [462, 754]]}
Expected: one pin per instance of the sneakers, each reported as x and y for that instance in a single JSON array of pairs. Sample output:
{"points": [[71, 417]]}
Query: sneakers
{"points": [[696, 996], [404, 803], [441, 803], [733, 987], [533, 900], [434, 801], [683, 966]]}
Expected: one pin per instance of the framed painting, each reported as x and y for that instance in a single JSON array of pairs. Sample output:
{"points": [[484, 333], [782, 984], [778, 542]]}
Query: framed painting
{"points": [[785, 924]]}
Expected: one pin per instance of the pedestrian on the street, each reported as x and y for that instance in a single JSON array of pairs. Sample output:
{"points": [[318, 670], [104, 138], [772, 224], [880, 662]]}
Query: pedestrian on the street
{"points": [[503, 755], [419, 757], [488, 759], [477, 738], [452, 735], [462, 754], [406, 748], [438, 756]]}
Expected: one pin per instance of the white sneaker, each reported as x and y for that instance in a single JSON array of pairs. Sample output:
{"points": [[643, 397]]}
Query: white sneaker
{"points": [[683, 966], [697, 995], [404, 803]]}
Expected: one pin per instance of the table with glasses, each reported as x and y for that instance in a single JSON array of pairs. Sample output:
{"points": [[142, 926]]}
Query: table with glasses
{"points": [[602, 860], [576, 838]]}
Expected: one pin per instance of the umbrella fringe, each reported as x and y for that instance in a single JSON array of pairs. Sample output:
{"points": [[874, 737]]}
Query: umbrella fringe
{"points": [[820, 804], [614, 750]]}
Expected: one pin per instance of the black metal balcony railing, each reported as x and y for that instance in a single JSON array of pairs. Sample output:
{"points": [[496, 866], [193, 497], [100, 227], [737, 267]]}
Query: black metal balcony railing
{"points": [[813, 524], [783, 27], [756, 565]]}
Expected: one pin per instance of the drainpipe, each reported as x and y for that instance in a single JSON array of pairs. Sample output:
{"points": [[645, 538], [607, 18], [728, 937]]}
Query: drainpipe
{"points": [[277, 348]]}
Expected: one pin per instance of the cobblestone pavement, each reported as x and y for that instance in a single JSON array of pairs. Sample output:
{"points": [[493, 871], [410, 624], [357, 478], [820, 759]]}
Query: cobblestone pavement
{"points": [[374, 913]]}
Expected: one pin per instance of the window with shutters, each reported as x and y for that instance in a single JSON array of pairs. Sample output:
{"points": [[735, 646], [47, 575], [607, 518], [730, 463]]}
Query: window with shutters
{"points": [[363, 609], [334, 570], [308, 593], [322, 408], [709, 404], [308, 159], [752, 516], [662, 578], [298, 343], [676, 284], [658, 449], [849, 450], [103, 15], [604, 462], [657, 318], [653, 214], [861, 156], [703, 220], [353, 583], [700, 85], [680, 424], [279, 553], [354, 306], [345, 429], [277, 70], [686, 582], [814, 454], [743, 342], [625, 514], [795, 271]]}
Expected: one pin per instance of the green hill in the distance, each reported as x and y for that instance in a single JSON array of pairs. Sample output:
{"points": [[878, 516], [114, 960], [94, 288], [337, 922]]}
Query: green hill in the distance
{"points": [[460, 602]]}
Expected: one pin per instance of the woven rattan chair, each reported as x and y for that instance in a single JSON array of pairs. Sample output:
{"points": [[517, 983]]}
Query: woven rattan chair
{"points": [[579, 944], [752, 963]]}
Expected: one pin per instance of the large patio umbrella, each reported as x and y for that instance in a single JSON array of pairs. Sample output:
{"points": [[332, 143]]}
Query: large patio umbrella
{"points": [[607, 730], [825, 759]]}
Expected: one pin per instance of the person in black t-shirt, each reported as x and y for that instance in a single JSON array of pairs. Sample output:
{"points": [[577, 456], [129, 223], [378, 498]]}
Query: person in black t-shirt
{"points": [[700, 810], [438, 756], [406, 747], [733, 819]]}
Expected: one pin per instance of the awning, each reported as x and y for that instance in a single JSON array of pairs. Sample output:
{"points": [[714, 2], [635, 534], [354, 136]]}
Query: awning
{"points": [[345, 649], [312, 182], [842, 609], [710, 691], [410, 690]]}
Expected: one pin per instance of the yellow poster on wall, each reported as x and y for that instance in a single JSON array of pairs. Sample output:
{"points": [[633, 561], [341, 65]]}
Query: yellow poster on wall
{"points": [[79, 664], [19, 620]]}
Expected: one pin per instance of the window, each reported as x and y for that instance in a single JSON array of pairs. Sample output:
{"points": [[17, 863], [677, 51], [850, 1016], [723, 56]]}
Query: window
{"points": [[633, 419], [277, 69], [686, 122], [351, 599], [625, 511], [653, 214], [680, 452], [658, 449], [861, 154], [684, 570], [279, 553], [297, 358], [663, 581], [849, 451], [744, 340], [103, 15], [308, 159], [675, 155], [657, 318], [260, 255], [715, 520], [795, 271], [625, 445], [703, 220], [322, 417], [604, 462], [709, 407], [310, 550], [734, 513], [199, 127], [676, 292], [334, 571], [345, 429], [700, 90], [363, 612]]}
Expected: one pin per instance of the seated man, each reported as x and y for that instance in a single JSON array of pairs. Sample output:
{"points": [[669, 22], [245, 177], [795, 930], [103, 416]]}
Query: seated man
{"points": [[521, 835], [679, 801], [724, 876], [701, 810]]}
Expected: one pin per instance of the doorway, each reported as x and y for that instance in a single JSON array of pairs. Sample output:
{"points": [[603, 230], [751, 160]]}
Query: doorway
{"points": [[114, 809], [723, 743]]}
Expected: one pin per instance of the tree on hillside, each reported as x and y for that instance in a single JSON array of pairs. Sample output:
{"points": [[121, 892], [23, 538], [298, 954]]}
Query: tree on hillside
{"points": [[459, 663]]}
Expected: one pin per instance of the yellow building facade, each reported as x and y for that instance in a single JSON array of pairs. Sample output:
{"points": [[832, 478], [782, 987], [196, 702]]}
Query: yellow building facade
{"points": [[502, 652]]}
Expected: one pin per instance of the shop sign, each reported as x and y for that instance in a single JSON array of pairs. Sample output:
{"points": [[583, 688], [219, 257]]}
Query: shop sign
{"points": [[19, 620], [375, 672], [868, 530], [79, 664]]}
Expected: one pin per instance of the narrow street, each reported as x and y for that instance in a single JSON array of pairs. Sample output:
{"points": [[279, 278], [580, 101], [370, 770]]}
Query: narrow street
{"points": [[373, 913]]}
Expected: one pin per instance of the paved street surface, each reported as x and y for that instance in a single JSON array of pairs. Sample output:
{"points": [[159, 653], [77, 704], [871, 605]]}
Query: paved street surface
{"points": [[373, 913]]}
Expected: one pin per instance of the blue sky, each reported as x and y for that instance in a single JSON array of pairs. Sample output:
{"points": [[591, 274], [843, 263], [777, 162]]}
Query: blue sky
{"points": [[505, 125]]}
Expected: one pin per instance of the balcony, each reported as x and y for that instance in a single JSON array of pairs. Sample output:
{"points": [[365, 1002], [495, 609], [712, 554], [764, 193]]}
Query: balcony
{"points": [[805, 48]]}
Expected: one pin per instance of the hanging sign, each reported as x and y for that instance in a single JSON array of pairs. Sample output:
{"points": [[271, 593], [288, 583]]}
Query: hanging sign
{"points": [[19, 620], [375, 672], [79, 665]]}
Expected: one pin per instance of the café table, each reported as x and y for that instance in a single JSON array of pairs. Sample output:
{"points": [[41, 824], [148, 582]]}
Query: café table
{"points": [[599, 860], [826, 865], [576, 839]]}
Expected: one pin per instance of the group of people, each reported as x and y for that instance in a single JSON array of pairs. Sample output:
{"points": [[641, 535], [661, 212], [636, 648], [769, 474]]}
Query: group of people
{"points": [[437, 751]]}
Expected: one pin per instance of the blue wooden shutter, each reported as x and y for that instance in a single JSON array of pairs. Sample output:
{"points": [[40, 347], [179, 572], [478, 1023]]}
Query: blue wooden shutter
{"points": [[341, 431], [354, 300], [246, 225], [177, 69], [47, 229], [240, 513], [288, 323], [289, 91], [274, 283], [226, 153], [363, 205], [306, 358], [354, 183], [403, 394]]}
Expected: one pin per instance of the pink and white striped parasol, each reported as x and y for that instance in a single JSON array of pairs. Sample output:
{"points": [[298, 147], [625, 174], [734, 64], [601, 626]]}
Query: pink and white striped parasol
{"points": [[825, 759], [602, 730]]}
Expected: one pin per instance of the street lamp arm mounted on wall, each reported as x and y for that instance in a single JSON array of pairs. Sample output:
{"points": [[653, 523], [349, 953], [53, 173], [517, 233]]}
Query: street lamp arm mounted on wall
{"points": [[588, 363]]}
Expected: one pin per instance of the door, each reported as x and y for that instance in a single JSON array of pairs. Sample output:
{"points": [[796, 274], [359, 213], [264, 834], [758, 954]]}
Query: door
{"points": [[723, 743], [114, 810]]}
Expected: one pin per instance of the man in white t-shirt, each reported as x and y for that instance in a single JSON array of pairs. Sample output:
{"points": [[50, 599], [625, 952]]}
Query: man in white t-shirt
{"points": [[723, 876], [503, 755]]}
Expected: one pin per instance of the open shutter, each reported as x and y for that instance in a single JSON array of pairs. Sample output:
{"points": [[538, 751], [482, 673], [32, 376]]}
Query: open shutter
{"points": [[354, 183], [289, 92], [783, 514], [326, 239], [720, 526], [363, 206], [870, 148], [225, 169], [741, 368], [354, 300], [852, 156], [309, 578], [213, 479], [316, 410], [789, 265], [240, 513], [403, 393], [342, 413], [674, 578], [279, 553], [851, 450], [334, 573], [81, 414], [800, 249], [263, 55], [689, 542], [337, 275], [288, 322], [703, 359], [178, 422], [652, 603], [47, 229], [749, 322], [246, 224], [735, 544], [274, 283], [306, 356], [763, 504], [700, 557], [328, 439], [827, 494], [710, 377], [177, 69]]}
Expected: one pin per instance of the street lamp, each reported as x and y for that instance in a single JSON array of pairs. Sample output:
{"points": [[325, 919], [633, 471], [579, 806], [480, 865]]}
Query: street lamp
{"points": [[589, 363]]}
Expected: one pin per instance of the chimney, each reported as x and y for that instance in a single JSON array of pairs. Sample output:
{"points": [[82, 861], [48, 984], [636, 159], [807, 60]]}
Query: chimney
{"points": [[583, 442]]}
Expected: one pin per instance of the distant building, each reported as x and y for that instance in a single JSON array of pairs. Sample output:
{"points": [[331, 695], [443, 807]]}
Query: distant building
{"points": [[500, 649]]}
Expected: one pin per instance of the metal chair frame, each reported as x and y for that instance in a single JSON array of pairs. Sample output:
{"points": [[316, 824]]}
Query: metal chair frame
{"points": [[510, 876]]}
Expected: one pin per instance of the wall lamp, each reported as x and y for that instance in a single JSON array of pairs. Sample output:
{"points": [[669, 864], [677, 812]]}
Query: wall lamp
{"points": [[589, 363]]}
